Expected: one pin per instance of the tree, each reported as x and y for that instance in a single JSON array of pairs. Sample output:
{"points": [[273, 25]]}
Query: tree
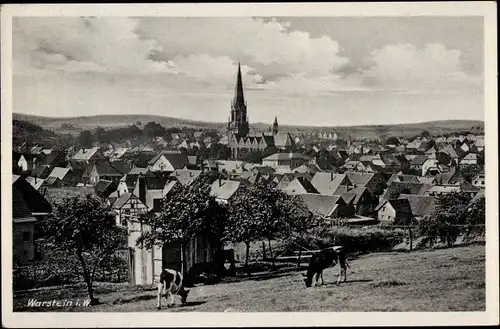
{"points": [[85, 228], [247, 215], [261, 212], [393, 140], [398, 190], [470, 171], [85, 139], [475, 219], [450, 214], [425, 134], [190, 211], [153, 129]]}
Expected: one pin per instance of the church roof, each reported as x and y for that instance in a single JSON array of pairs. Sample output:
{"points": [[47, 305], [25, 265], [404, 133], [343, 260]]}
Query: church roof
{"points": [[239, 99]]}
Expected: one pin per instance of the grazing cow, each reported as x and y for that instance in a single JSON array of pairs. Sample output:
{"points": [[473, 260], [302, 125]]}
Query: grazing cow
{"points": [[171, 284], [324, 259]]}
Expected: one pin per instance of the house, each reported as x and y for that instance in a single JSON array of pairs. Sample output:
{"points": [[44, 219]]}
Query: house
{"points": [[27, 162], [354, 165], [421, 205], [145, 265], [118, 153], [65, 176], [210, 165], [223, 190], [35, 182], [327, 206], [469, 159], [128, 205], [418, 161], [360, 198], [23, 227], [53, 159], [104, 188], [88, 155], [104, 170], [150, 191], [185, 176], [430, 162], [192, 162], [232, 168], [168, 161], [285, 160], [478, 180], [328, 183], [403, 179], [394, 211], [141, 159], [443, 189], [395, 189], [479, 144], [41, 172], [454, 176], [369, 180], [52, 182], [300, 185], [37, 204]]}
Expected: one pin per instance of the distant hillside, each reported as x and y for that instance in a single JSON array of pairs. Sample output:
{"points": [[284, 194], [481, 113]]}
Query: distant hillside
{"points": [[25, 131], [76, 124]]}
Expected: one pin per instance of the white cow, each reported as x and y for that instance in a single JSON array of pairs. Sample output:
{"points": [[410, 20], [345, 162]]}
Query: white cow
{"points": [[171, 284]]}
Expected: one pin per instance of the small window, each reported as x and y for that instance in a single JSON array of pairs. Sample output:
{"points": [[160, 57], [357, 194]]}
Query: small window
{"points": [[132, 205], [482, 182], [26, 236]]}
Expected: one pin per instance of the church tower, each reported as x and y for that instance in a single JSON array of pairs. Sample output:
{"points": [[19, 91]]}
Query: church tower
{"points": [[238, 120], [275, 126]]}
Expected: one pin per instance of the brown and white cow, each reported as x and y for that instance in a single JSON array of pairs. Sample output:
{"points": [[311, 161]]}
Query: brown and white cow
{"points": [[324, 259], [171, 284]]}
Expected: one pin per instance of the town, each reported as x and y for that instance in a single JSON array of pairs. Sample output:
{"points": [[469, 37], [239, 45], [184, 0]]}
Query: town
{"points": [[429, 186]]}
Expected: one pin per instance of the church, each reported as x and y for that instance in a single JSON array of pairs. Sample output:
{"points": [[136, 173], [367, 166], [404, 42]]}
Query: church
{"points": [[241, 139]]}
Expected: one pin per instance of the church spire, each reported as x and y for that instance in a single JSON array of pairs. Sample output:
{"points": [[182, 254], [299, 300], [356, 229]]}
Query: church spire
{"points": [[275, 126], [238, 100]]}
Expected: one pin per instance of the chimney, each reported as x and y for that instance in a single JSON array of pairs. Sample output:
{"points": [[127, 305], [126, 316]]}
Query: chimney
{"points": [[331, 175], [220, 182], [190, 174], [142, 189]]}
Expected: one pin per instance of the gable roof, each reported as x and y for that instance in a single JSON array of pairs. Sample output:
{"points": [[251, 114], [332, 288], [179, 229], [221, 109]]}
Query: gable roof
{"points": [[353, 194], [285, 156], [360, 179], [224, 189], [35, 201], [185, 176], [418, 160], [322, 205], [105, 168], [327, 183], [421, 205], [176, 159], [122, 200], [35, 182], [20, 209], [104, 188], [59, 172], [411, 188], [85, 154], [305, 183]]}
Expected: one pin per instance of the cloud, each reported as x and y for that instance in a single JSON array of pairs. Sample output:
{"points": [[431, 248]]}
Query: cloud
{"points": [[432, 68], [84, 44], [204, 52], [268, 47]]}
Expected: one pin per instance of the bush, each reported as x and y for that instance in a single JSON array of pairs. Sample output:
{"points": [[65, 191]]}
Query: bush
{"points": [[355, 240]]}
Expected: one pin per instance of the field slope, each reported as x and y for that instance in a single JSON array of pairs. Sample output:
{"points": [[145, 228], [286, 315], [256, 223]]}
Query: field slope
{"points": [[439, 280]]}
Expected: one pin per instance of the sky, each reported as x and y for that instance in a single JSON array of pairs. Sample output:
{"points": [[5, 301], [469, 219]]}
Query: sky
{"points": [[320, 71]]}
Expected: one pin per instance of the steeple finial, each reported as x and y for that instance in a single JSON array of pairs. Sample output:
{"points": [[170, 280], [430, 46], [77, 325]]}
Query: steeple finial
{"points": [[238, 92]]}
